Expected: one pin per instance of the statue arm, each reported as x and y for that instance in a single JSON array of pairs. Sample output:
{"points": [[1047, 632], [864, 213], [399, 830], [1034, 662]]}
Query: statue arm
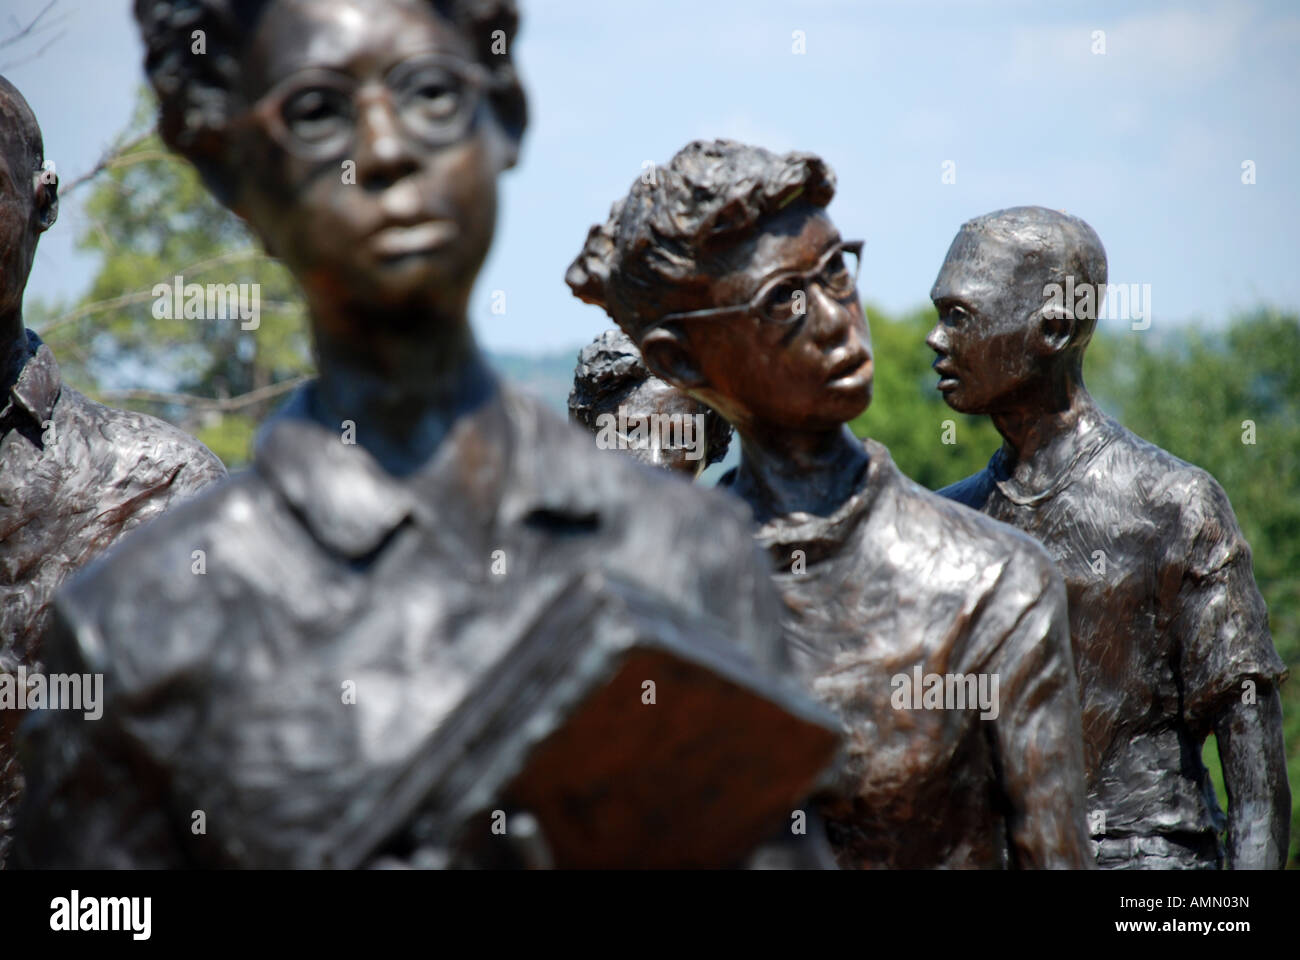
{"points": [[1230, 672], [1250, 743], [1038, 738]]}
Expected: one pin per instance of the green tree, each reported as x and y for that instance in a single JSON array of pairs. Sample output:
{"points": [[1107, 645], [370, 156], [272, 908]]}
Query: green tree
{"points": [[152, 220], [907, 412]]}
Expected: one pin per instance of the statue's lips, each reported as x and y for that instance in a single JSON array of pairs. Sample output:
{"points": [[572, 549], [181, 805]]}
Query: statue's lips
{"points": [[404, 239], [947, 376], [849, 366]]}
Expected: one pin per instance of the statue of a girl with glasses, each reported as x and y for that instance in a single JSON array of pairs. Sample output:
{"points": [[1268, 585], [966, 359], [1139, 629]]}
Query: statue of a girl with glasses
{"points": [[939, 638], [295, 636]]}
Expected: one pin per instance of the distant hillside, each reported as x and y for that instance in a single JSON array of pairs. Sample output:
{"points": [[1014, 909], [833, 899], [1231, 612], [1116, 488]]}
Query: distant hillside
{"points": [[547, 376]]}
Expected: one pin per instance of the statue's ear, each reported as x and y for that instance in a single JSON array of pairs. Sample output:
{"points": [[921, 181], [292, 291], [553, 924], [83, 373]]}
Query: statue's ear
{"points": [[47, 197], [669, 355], [1055, 327]]}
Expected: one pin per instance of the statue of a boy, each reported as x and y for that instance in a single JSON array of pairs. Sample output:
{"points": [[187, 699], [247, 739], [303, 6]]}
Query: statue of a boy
{"points": [[74, 475], [1170, 633]]}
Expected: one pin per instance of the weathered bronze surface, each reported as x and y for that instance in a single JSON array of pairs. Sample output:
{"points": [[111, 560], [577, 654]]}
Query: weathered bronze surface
{"points": [[1170, 632], [406, 514], [737, 288], [74, 475]]}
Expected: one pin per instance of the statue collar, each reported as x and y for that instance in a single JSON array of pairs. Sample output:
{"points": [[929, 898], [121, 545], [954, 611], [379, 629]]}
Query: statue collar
{"points": [[1088, 443], [501, 463], [37, 388], [822, 536]]}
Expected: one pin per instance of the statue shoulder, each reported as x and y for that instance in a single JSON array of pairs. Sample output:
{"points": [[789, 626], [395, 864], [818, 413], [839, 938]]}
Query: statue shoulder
{"points": [[974, 538], [159, 593]]}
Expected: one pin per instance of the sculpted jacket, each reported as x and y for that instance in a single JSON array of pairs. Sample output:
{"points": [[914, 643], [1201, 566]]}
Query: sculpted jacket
{"points": [[223, 687], [74, 477], [896, 582]]}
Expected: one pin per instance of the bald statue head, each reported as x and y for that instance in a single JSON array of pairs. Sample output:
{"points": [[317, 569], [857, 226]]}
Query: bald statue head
{"points": [[29, 204], [1017, 296]]}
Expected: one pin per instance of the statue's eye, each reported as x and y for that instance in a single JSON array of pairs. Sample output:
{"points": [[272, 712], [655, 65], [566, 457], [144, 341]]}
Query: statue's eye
{"points": [[783, 302], [837, 277], [317, 114], [433, 100]]}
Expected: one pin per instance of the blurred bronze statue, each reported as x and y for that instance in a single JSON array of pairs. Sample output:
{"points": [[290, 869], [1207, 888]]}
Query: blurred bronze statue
{"points": [[628, 408], [1170, 633], [938, 636], [74, 475], [431, 612]]}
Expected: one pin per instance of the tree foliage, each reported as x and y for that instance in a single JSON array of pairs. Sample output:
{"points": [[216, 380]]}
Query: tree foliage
{"points": [[151, 220]]}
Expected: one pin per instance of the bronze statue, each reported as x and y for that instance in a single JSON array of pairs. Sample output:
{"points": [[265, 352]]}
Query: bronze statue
{"points": [[382, 597], [74, 475], [905, 612], [1170, 633], [628, 408]]}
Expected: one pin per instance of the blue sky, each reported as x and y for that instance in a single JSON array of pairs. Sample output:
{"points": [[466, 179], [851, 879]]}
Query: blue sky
{"points": [[1145, 142]]}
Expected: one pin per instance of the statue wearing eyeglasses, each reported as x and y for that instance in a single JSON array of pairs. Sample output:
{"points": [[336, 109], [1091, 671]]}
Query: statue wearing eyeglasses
{"points": [[75, 475], [938, 637], [408, 524]]}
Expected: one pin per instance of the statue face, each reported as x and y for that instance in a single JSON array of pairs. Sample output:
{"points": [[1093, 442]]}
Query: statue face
{"points": [[986, 335], [813, 373], [22, 198], [684, 447], [372, 154]]}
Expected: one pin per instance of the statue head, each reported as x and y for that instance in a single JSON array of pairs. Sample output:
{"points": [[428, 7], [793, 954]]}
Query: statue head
{"points": [[361, 139], [1017, 296], [725, 270], [29, 199], [617, 398]]}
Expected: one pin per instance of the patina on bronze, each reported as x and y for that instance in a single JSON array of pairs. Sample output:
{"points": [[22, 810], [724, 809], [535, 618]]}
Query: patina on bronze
{"points": [[738, 289], [382, 566], [1170, 632], [74, 475], [628, 408]]}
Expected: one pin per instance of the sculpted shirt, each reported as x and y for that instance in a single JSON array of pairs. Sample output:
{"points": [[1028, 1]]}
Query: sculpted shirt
{"points": [[899, 582], [1166, 620], [340, 614], [74, 476]]}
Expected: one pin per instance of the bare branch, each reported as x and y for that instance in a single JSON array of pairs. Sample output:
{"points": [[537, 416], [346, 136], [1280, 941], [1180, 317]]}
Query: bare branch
{"points": [[112, 157], [209, 404], [15, 64], [140, 296], [27, 30]]}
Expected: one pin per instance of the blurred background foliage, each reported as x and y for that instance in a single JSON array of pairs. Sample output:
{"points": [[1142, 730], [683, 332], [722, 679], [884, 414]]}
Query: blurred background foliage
{"points": [[150, 220], [1187, 390]]}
